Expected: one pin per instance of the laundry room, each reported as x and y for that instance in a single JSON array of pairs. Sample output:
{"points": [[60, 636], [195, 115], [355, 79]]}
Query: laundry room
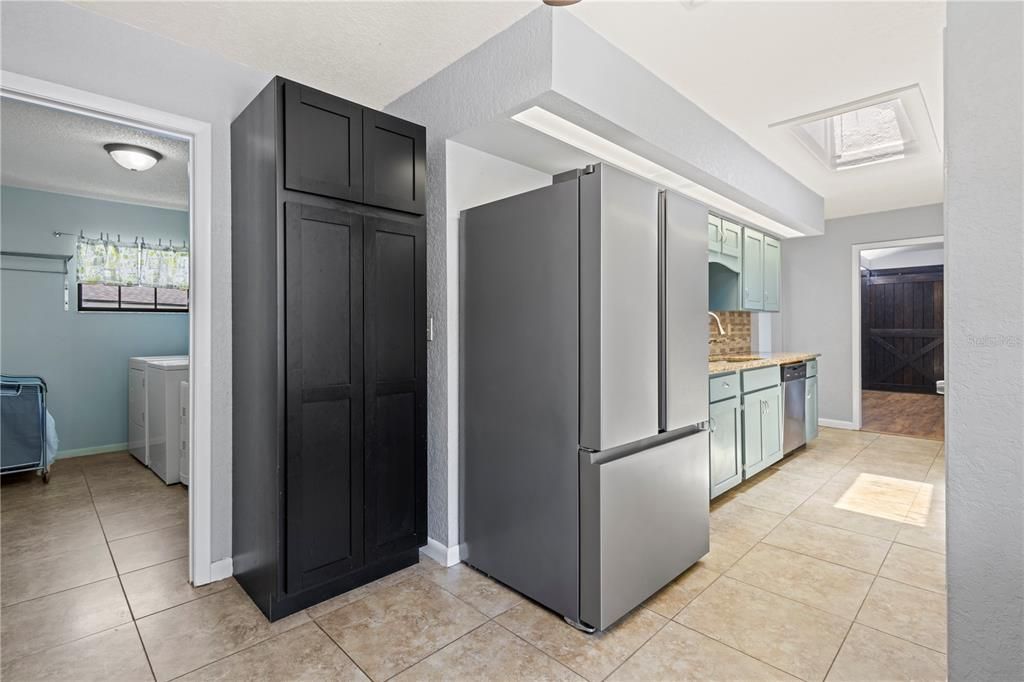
{"points": [[95, 341]]}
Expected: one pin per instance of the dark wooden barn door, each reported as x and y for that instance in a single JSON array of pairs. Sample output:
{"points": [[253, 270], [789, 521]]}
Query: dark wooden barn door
{"points": [[901, 329]]}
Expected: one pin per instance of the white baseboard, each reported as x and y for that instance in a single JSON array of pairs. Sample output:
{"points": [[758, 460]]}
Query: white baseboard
{"points": [[446, 556], [837, 424], [220, 570], [97, 450]]}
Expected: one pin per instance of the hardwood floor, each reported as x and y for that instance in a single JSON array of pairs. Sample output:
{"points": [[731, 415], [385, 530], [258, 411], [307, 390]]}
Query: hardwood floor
{"points": [[906, 414]]}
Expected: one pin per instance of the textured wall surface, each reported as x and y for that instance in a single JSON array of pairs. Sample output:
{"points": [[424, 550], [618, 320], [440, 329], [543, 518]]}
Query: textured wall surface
{"points": [[82, 356], [737, 339], [71, 46], [985, 339], [511, 68], [817, 294]]}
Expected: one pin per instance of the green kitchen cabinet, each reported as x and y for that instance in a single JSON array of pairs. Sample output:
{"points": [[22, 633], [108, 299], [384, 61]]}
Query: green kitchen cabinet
{"points": [[730, 242], [753, 269], [744, 267], [811, 408], [714, 234], [726, 446], [762, 429], [772, 273]]}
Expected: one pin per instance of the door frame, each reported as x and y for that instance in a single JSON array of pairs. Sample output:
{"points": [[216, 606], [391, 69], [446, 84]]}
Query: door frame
{"points": [[198, 134], [855, 311]]}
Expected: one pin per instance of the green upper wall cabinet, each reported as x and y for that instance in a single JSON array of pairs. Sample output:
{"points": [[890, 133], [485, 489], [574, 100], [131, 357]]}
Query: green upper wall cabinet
{"points": [[745, 267], [731, 233], [714, 234], [724, 242], [772, 273], [753, 270]]}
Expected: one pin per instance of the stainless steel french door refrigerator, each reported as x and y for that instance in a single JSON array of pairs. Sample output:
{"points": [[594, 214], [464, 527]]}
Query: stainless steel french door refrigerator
{"points": [[584, 391]]}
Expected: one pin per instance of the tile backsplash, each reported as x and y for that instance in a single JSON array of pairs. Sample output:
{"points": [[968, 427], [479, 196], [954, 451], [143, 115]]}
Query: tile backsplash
{"points": [[737, 334]]}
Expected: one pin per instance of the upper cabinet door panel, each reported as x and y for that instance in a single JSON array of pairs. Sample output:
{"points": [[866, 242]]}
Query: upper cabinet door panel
{"points": [[714, 233], [753, 270], [731, 239], [323, 144], [395, 164], [772, 273]]}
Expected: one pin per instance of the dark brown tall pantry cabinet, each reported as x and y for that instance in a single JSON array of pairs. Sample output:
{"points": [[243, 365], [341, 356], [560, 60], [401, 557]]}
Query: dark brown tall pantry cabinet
{"points": [[328, 271]]}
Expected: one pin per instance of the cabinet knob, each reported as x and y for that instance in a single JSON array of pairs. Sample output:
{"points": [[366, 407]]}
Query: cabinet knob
{"points": [[725, 385]]}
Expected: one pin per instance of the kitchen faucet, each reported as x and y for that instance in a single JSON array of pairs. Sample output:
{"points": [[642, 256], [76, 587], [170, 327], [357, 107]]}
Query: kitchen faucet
{"points": [[721, 329]]}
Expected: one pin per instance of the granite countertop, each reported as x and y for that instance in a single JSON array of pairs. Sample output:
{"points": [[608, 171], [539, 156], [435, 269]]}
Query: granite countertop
{"points": [[721, 366]]}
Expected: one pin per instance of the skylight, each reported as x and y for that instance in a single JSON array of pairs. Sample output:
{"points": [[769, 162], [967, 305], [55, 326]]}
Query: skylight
{"points": [[872, 134], [885, 127]]}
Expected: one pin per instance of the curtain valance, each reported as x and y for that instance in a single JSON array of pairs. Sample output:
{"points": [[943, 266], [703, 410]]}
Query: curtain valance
{"points": [[103, 261]]}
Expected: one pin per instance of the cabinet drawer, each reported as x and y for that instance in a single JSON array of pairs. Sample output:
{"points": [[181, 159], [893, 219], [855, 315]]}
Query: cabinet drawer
{"points": [[762, 377], [723, 387], [812, 368]]}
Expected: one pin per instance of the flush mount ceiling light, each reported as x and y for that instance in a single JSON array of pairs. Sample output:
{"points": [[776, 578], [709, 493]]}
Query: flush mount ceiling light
{"points": [[560, 3], [603, 149], [866, 132], [132, 157]]}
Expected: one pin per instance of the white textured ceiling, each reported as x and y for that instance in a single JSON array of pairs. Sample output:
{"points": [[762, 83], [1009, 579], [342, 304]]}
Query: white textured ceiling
{"points": [[59, 151], [751, 64], [748, 64], [368, 52]]}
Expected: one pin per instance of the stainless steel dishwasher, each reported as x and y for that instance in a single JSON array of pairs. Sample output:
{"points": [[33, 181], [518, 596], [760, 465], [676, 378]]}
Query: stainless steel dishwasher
{"points": [[794, 406]]}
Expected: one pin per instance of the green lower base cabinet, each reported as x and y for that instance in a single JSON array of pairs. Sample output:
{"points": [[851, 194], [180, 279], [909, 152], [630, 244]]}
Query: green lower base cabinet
{"points": [[762, 429], [726, 445], [746, 428], [811, 408]]}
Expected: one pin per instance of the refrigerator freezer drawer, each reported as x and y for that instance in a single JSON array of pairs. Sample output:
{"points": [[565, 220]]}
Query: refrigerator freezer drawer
{"points": [[643, 521]]}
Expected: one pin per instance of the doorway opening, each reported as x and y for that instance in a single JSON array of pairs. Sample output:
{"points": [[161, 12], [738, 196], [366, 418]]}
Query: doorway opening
{"points": [[191, 300], [899, 331]]}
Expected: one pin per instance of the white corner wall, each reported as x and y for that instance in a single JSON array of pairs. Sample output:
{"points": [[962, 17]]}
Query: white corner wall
{"points": [[984, 80], [817, 295], [473, 177]]}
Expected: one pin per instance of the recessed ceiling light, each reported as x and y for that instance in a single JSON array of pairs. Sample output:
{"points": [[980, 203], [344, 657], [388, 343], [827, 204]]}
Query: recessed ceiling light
{"points": [[132, 157], [603, 149], [869, 131]]}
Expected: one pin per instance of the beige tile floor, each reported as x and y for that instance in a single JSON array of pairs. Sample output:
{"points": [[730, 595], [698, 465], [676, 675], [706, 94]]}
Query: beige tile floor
{"points": [[827, 566]]}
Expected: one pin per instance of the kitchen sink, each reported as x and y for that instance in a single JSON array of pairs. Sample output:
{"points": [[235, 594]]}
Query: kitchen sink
{"points": [[738, 358]]}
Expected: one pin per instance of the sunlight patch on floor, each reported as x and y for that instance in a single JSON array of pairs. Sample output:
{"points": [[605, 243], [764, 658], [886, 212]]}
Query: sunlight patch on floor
{"points": [[888, 498]]}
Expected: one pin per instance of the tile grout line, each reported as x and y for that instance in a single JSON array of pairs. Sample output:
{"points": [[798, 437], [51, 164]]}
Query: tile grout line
{"points": [[117, 573], [531, 644], [737, 650], [642, 644], [856, 615], [332, 641]]}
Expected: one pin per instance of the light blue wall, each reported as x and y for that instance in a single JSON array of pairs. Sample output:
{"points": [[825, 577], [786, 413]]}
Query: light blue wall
{"points": [[82, 356]]}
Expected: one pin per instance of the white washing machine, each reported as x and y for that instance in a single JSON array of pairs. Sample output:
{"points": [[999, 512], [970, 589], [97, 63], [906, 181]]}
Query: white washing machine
{"points": [[163, 416], [137, 403]]}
